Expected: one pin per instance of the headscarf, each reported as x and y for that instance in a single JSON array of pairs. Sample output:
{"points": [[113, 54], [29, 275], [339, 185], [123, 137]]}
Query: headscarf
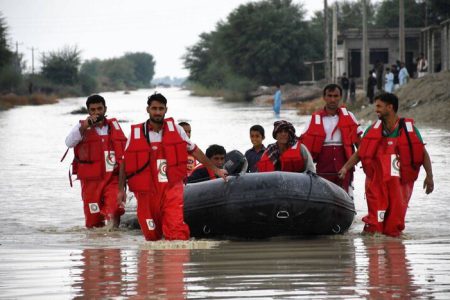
{"points": [[273, 151]]}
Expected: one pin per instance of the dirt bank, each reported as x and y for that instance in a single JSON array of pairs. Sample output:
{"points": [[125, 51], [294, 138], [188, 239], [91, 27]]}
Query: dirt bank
{"points": [[11, 100]]}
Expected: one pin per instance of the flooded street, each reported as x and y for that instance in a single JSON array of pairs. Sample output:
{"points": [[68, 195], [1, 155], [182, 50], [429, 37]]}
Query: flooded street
{"points": [[45, 251]]}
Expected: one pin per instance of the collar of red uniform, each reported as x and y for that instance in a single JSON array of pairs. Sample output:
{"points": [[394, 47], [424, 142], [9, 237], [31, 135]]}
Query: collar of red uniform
{"points": [[324, 112]]}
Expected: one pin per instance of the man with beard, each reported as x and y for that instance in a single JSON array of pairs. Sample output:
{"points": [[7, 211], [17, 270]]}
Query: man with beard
{"points": [[391, 152], [98, 146], [331, 135], [155, 166]]}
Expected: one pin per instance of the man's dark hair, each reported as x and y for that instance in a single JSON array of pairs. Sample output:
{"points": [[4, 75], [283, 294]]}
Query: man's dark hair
{"points": [[95, 99], [157, 97], [331, 87], [214, 150], [258, 128], [389, 99], [184, 124]]}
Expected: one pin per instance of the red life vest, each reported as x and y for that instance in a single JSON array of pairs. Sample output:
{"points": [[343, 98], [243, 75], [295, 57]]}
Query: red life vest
{"points": [[315, 135], [210, 172], [410, 154], [291, 161], [140, 158], [97, 153]]}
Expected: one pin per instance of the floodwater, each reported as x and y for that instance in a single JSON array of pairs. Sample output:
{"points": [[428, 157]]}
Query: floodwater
{"points": [[45, 252]]}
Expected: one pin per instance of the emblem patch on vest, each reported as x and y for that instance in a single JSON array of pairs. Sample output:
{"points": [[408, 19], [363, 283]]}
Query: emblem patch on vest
{"points": [[162, 170], [94, 208], [380, 215], [395, 166], [110, 161], [150, 224]]}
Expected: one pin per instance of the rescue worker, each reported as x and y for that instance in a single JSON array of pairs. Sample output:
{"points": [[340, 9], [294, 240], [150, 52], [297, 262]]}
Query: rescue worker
{"points": [[287, 153], [331, 136], [391, 152], [155, 166], [216, 154], [98, 145]]}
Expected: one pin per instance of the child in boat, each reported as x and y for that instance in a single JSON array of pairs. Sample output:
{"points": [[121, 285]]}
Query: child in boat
{"points": [[216, 154], [253, 155]]}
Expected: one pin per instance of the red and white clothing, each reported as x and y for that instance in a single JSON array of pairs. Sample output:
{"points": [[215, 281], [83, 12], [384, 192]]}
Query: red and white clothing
{"points": [[391, 164], [155, 165], [295, 159], [331, 139], [98, 153]]}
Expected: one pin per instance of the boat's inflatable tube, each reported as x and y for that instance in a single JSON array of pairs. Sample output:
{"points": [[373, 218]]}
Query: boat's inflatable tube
{"points": [[260, 205]]}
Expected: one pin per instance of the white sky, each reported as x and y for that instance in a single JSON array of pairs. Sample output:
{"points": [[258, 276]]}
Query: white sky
{"points": [[109, 28]]}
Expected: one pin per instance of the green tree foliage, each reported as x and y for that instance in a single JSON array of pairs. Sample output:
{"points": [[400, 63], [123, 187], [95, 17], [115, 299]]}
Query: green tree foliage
{"points": [[61, 67], [438, 11], [387, 14], [265, 42], [143, 66], [5, 53], [11, 63]]}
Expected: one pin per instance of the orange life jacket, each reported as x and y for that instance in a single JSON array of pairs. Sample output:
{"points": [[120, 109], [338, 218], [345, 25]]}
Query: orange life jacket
{"points": [[139, 157], [410, 149], [291, 161], [315, 135], [95, 151]]}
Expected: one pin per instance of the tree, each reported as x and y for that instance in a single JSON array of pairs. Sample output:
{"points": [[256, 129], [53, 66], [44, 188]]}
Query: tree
{"points": [[143, 65], [5, 53], [387, 14], [61, 67]]}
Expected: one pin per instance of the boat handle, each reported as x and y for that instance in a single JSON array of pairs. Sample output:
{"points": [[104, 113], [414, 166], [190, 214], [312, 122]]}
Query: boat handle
{"points": [[336, 230], [206, 229], [282, 214]]}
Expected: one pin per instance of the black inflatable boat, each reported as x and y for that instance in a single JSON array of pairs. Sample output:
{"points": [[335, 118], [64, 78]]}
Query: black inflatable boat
{"points": [[263, 205]]}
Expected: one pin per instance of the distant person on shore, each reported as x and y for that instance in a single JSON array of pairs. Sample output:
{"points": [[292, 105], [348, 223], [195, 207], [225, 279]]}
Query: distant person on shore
{"points": [[191, 161], [403, 75], [422, 66], [98, 145], [331, 136], [287, 154], [391, 152], [345, 84], [277, 99], [371, 85], [216, 155], [379, 68], [253, 155], [352, 99], [395, 72], [389, 81], [155, 166]]}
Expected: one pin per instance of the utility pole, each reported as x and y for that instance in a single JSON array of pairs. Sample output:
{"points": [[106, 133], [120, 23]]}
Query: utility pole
{"points": [[334, 46], [32, 60], [401, 27], [327, 40], [365, 52]]}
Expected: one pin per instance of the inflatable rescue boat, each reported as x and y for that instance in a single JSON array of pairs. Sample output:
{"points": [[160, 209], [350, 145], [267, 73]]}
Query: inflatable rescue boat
{"points": [[262, 205]]}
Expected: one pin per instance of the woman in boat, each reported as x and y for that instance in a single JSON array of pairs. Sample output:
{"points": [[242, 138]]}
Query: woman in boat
{"points": [[287, 154]]}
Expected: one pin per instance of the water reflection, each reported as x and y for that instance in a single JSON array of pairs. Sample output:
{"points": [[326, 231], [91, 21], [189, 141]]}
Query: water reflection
{"points": [[389, 272], [111, 273]]}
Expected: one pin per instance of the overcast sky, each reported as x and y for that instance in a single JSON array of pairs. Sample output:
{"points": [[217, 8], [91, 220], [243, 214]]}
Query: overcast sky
{"points": [[109, 28]]}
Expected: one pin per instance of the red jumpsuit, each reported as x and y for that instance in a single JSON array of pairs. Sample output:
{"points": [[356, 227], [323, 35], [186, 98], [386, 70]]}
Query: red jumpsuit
{"points": [[155, 172], [330, 158], [96, 165], [391, 165], [291, 161]]}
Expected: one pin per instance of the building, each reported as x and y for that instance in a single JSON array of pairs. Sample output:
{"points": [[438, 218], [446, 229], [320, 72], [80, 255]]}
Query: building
{"points": [[383, 46]]}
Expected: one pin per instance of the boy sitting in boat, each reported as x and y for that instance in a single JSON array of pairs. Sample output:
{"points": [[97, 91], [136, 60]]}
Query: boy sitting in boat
{"points": [[216, 154], [253, 155]]}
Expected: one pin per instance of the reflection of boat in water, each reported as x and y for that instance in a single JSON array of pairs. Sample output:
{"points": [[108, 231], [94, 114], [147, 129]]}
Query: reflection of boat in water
{"points": [[262, 205]]}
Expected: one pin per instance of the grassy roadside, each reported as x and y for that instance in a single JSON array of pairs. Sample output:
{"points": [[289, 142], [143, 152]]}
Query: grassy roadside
{"points": [[11, 100]]}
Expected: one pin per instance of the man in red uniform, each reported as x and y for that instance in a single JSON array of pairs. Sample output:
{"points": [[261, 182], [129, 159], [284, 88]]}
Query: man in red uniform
{"points": [[98, 145], [331, 136], [391, 152], [155, 166]]}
